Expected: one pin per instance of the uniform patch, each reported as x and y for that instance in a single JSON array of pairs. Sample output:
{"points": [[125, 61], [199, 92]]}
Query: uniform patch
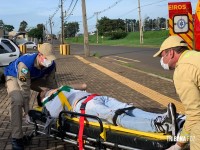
{"points": [[22, 78], [24, 70]]}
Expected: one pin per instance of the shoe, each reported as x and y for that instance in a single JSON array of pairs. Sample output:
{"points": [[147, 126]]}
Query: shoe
{"points": [[167, 124], [2, 79], [27, 139], [180, 120], [17, 144]]}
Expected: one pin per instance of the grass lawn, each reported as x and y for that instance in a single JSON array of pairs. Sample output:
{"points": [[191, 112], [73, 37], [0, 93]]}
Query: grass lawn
{"points": [[151, 39]]}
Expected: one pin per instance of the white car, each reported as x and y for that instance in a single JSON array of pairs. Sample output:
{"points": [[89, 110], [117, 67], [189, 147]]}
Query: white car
{"points": [[31, 45], [9, 51]]}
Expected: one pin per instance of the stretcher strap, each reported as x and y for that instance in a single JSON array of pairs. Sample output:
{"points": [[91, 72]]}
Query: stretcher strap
{"points": [[119, 112], [82, 119], [64, 101]]}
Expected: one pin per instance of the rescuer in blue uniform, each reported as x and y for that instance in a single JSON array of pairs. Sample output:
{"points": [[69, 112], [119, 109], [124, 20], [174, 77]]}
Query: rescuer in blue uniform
{"points": [[30, 71]]}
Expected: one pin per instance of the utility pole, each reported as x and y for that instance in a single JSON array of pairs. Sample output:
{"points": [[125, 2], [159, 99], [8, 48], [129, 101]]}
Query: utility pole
{"points": [[127, 24], [140, 23], [50, 23], [143, 27], [97, 13], [124, 25], [43, 33], [46, 30], [86, 43], [62, 22], [158, 22], [166, 27]]}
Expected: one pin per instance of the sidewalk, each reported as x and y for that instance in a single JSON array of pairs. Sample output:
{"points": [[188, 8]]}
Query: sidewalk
{"points": [[128, 85]]}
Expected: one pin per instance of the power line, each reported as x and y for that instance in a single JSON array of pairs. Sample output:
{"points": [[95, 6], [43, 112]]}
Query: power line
{"points": [[57, 9], [113, 5], [102, 10], [71, 10], [99, 12], [153, 3], [70, 6], [141, 7]]}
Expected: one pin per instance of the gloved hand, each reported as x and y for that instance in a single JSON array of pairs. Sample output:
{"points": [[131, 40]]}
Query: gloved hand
{"points": [[27, 119], [175, 147]]}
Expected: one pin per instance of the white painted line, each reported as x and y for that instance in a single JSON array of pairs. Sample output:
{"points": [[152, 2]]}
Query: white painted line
{"points": [[121, 61], [128, 59]]}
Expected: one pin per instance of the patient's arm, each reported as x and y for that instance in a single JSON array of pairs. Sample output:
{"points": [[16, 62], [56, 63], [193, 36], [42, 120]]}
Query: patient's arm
{"points": [[52, 91], [82, 86], [79, 86]]}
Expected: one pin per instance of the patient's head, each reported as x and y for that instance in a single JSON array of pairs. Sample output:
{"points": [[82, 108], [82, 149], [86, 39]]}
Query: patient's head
{"points": [[41, 95], [44, 93]]}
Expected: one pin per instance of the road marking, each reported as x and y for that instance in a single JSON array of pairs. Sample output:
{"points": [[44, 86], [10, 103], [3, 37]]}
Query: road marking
{"points": [[117, 60], [128, 59], [121, 61], [156, 96]]}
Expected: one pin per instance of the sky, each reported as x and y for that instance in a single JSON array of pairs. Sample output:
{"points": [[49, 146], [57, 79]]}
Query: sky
{"points": [[34, 12]]}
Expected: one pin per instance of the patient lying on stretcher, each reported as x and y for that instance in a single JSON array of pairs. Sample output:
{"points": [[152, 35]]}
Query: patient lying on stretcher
{"points": [[105, 107]]}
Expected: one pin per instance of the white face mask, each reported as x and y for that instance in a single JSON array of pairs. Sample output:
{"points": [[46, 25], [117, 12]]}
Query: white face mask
{"points": [[47, 63], [165, 66]]}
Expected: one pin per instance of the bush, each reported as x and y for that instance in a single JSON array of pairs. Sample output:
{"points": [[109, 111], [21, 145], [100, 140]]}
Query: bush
{"points": [[116, 35]]}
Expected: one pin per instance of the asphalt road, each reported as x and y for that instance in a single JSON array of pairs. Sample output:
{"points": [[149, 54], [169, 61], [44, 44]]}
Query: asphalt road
{"points": [[135, 57]]}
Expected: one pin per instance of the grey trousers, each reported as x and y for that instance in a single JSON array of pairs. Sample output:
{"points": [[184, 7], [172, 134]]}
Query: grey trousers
{"points": [[19, 100], [17, 103]]}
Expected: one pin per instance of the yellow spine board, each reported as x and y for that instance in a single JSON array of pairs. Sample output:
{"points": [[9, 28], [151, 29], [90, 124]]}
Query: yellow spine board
{"points": [[107, 127], [158, 136]]}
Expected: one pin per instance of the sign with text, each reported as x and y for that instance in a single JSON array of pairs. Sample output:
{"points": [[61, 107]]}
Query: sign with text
{"points": [[197, 27], [181, 21]]}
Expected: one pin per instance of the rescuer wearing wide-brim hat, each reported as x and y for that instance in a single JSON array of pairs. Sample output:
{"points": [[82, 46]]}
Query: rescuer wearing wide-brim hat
{"points": [[29, 71], [174, 54]]}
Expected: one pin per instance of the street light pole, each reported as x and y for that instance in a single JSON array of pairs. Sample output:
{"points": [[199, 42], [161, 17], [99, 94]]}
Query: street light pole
{"points": [[97, 13], [43, 33], [166, 26], [86, 43], [140, 23], [62, 22], [50, 22]]}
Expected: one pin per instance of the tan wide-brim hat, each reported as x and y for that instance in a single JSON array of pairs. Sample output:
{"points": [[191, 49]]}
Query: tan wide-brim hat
{"points": [[47, 50], [171, 41]]}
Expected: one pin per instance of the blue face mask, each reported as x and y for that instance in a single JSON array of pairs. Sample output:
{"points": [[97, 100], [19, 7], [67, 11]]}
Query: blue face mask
{"points": [[165, 66]]}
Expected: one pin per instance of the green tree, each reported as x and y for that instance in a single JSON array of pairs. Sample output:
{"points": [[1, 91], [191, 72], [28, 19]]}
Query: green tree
{"points": [[8, 28], [112, 28], [147, 24], [37, 32], [23, 25], [129, 25], [163, 22], [154, 23], [1, 24], [106, 25], [71, 29], [120, 24]]}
